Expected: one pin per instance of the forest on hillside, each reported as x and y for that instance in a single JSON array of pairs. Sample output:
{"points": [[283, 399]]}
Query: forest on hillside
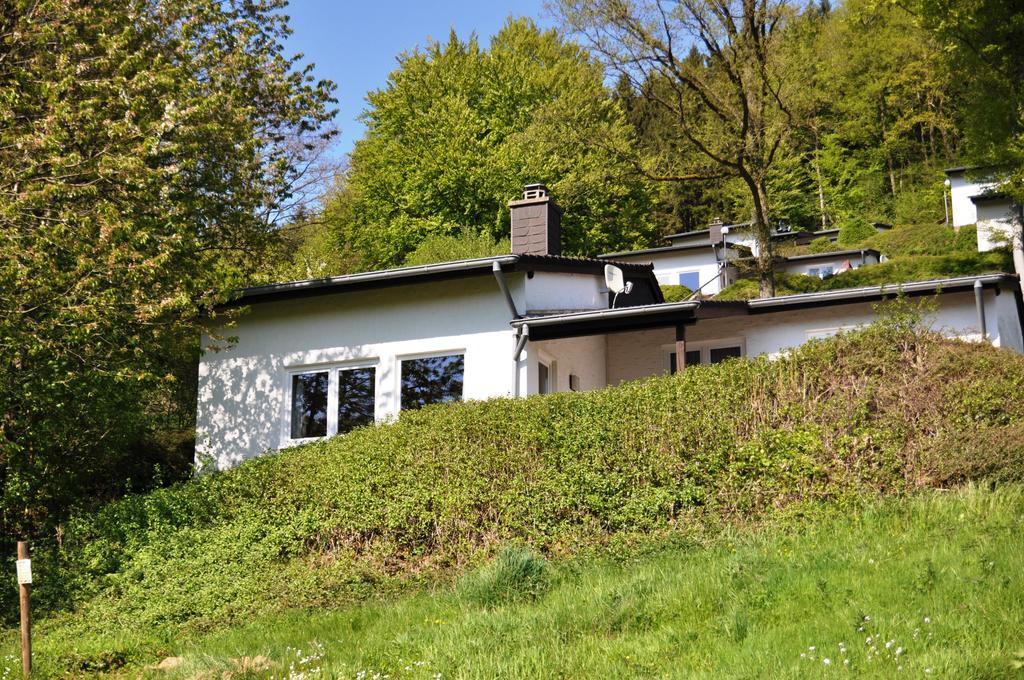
{"points": [[157, 156]]}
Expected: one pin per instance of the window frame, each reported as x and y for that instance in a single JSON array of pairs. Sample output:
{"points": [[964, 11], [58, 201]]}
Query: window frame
{"points": [[705, 347], [332, 369], [400, 358]]}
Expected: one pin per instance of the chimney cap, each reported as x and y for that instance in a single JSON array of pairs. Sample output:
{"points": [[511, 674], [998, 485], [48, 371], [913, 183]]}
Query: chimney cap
{"points": [[535, 190]]}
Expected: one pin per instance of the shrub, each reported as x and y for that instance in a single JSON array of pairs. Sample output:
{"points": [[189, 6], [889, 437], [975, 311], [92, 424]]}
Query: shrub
{"points": [[854, 231], [517, 573], [822, 244], [675, 293]]}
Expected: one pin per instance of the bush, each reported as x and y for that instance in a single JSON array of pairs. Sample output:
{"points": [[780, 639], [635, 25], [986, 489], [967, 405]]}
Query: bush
{"points": [[822, 244], [675, 293], [439, 490], [517, 573], [854, 231]]}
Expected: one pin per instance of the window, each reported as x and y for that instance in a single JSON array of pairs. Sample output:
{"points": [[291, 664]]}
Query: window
{"points": [[719, 354], [827, 271], [356, 397], [309, 405], [692, 359], [814, 271], [690, 279], [543, 378], [432, 380]]}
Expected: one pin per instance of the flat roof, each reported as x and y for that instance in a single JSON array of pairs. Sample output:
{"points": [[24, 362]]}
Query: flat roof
{"points": [[834, 254], [574, 324], [428, 272], [660, 249]]}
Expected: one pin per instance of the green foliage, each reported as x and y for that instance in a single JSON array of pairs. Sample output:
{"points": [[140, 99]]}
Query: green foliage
{"points": [[897, 270], [517, 573], [144, 150], [854, 231], [566, 474], [924, 239], [466, 245], [459, 129], [822, 244], [675, 293]]}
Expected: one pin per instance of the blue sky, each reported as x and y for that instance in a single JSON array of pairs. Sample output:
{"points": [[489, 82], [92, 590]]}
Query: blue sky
{"points": [[355, 43]]}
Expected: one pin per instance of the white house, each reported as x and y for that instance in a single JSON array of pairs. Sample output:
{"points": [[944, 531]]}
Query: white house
{"points": [[975, 199], [317, 358]]}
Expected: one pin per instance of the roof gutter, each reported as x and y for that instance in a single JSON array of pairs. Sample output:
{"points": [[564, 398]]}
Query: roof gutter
{"points": [[966, 282]]}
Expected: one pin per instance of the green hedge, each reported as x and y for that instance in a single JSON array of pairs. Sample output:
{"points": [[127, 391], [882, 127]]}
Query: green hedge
{"points": [[446, 487]]}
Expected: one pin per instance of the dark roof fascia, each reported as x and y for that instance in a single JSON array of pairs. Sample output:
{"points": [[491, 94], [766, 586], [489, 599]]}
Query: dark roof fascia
{"points": [[425, 273], [687, 234], [873, 293], [991, 196], [832, 255], [659, 249], [576, 324]]}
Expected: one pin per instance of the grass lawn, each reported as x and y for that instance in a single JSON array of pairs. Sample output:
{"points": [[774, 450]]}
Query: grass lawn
{"points": [[931, 586]]}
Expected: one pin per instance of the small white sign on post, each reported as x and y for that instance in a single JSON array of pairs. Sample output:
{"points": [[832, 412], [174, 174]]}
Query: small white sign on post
{"points": [[24, 572]]}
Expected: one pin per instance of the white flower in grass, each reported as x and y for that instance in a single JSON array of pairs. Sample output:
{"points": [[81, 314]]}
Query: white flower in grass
{"points": [[927, 619], [899, 650], [846, 662], [827, 661], [927, 670]]}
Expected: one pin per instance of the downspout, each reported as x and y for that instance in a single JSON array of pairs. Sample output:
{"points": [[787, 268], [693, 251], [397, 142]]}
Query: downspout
{"points": [[524, 332], [979, 303], [499, 276]]}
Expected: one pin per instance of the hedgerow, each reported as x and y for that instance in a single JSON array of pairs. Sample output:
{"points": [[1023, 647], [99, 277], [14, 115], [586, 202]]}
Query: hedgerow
{"points": [[885, 410]]}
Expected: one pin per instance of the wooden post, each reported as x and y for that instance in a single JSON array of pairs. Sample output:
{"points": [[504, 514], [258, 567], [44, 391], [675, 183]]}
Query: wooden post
{"points": [[26, 616], [680, 347]]}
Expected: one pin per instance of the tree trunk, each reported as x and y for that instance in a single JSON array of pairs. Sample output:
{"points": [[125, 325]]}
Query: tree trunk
{"points": [[763, 235], [821, 188]]}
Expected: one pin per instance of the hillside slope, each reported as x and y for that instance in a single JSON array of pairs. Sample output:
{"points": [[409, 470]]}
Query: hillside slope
{"points": [[677, 458], [925, 586]]}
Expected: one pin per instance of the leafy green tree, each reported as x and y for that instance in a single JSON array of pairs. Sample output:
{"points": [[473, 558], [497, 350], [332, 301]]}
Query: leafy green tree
{"points": [[714, 67], [465, 245], [459, 129], [146, 152]]}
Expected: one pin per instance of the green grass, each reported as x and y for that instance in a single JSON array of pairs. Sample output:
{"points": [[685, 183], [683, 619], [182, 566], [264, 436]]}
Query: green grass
{"points": [[938, 574]]}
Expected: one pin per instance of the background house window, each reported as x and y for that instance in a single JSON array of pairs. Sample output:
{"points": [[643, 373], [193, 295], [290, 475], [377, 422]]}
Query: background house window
{"points": [[719, 354], [432, 380], [309, 405], [827, 271], [356, 397], [690, 279]]}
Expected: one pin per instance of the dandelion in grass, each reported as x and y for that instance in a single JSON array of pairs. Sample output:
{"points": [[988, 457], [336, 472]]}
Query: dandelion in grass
{"points": [[827, 661]]}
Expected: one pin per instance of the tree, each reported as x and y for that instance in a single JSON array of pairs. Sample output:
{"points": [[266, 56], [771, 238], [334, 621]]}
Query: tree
{"points": [[147, 151], [459, 129], [714, 69]]}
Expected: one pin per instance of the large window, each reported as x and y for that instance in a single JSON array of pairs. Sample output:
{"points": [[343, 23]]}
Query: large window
{"points": [[707, 353], [356, 397], [332, 401], [432, 380], [309, 404]]}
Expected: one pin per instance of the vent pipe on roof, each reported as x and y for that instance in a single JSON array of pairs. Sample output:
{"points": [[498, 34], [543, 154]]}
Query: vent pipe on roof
{"points": [[536, 223]]}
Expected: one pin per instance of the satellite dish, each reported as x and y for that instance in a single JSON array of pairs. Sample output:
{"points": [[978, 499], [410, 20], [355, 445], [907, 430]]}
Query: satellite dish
{"points": [[616, 282], [614, 279]]}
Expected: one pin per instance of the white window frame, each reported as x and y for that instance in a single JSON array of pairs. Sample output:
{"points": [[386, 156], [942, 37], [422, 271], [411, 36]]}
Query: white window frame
{"points": [[705, 347], [552, 364], [396, 384], [332, 369]]}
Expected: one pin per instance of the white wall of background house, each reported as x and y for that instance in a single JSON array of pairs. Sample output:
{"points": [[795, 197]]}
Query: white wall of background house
{"points": [[691, 268]]}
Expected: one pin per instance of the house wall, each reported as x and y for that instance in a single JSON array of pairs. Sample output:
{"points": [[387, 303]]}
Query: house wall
{"points": [[668, 266], [961, 190], [243, 407], [804, 266], [995, 224], [583, 357], [639, 354]]}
